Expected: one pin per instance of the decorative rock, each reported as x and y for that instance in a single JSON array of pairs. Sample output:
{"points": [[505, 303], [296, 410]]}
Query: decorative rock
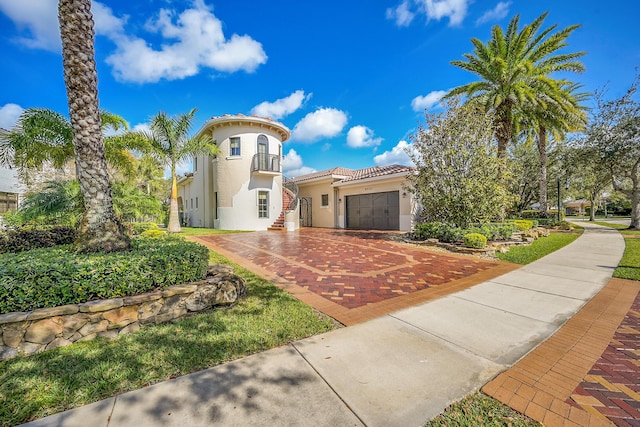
{"points": [[28, 348], [148, 310], [230, 289], [179, 290], [100, 305], [58, 342], [202, 299], [88, 337], [13, 334], [129, 328], [139, 299], [219, 268], [7, 352], [121, 317], [43, 313], [43, 331], [18, 316], [92, 328], [71, 324]]}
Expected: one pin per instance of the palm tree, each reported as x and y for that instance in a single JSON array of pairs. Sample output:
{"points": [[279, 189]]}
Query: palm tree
{"points": [[513, 67], [171, 144], [100, 228], [556, 112], [44, 137]]}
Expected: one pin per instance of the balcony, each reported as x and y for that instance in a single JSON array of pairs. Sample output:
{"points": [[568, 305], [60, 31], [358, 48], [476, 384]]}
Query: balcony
{"points": [[265, 164]]}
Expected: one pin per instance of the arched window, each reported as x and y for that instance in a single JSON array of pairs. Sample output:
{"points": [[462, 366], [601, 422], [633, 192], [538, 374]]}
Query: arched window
{"points": [[263, 152]]}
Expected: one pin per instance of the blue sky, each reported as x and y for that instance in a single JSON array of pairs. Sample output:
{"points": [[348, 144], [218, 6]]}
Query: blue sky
{"points": [[351, 79]]}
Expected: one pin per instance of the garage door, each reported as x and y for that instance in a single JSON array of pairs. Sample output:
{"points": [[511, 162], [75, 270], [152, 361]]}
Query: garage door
{"points": [[375, 211]]}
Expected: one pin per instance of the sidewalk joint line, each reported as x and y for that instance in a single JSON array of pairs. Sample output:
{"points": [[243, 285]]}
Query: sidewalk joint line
{"points": [[328, 385]]}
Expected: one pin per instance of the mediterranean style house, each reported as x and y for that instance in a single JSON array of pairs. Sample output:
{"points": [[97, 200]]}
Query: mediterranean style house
{"points": [[242, 188]]}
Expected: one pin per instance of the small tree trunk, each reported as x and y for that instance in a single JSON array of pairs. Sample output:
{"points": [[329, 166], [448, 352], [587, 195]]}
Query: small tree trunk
{"points": [[592, 209], [174, 220], [542, 174], [100, 229]]}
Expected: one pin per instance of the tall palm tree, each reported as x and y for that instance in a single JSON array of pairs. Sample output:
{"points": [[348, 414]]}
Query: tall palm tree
{"points": [[170, 143], [44, 137], [557, 111], [100, 228], [512, 68]]}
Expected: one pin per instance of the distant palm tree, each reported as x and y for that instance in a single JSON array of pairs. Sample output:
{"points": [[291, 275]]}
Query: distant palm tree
{"points": [[513, 69], [170, 143], [100, 228], [44, 137], [556, 112]]}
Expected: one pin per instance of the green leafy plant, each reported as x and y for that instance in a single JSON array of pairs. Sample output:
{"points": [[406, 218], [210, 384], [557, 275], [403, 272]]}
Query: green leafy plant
{"points": [[154, 234], [523, 224], [24, 239], [475, 240], [140, 227], [57, 276]]}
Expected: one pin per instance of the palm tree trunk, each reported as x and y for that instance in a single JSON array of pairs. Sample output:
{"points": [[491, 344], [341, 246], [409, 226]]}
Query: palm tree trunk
{"points": [[542, 173], [100, 229], [174, 220], [503, 123]]}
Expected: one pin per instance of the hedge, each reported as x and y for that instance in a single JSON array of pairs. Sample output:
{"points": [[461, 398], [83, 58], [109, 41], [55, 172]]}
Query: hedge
{"points": [[23, 239], [58, 276], [447, 233]]}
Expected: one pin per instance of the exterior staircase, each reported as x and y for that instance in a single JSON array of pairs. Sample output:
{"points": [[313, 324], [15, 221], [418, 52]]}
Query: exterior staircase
{"points": [[287, 201]]}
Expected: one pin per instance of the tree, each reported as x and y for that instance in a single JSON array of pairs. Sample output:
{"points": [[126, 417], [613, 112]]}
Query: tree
{"points": [[614, 133], [100, 228], [43, 138], [556, 112], [514, 68], [170, 143], [456, 167], [587, 174]]}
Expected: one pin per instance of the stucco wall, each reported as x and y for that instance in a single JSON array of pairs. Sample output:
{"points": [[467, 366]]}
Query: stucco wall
{"points": [[322, 216]]}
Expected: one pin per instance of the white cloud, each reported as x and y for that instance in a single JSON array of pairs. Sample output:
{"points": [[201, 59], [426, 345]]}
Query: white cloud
{"points": [[401, 14], [322, 123], [455, 10], [198, 41], [362, 136], [9, 115], [292, 165], [397, 155], [426, 102], [500, 11], [192, 40], [281, 107], [37, 21]]}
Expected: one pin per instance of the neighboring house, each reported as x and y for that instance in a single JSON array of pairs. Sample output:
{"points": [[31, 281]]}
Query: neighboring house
{"points": [[242, 188], [10, 191]]}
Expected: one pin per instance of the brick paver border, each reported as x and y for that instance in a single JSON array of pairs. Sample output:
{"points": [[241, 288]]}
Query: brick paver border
{"points": [[540, 383]]}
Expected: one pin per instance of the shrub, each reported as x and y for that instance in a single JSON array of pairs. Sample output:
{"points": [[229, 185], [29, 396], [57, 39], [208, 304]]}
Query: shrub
{"points": [[493, 230], [428, 230], [532, 213], [475, 240], [523, 224], [140, 227], [154, 233], [26, 239], [57, 276]]}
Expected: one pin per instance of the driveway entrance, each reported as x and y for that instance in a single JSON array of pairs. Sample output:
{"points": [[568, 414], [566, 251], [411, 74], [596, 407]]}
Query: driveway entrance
{"points": [[352, 275]]}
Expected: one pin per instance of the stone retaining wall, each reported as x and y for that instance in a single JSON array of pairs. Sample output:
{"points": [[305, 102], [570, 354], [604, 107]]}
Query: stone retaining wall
{"points": [[47, 328]]}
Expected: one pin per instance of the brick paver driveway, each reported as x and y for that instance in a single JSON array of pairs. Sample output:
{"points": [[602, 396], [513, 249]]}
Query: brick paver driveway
{"points": [[352, 275]]}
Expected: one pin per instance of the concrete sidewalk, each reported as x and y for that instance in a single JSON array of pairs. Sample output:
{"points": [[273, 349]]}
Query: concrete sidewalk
{"points": [[397, 370]]}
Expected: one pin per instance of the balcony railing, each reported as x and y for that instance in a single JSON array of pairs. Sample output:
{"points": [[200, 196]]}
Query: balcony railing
{"points": [[269, 163]]}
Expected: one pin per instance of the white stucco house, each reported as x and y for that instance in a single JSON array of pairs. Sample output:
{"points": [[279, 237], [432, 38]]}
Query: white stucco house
{"points": [[242, 188], [10, 191]]}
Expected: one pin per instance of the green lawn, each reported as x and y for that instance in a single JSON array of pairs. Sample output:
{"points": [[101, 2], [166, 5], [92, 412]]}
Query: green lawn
{"points": [[478, 409], [85, 372], [196, 231], [540, 247]]}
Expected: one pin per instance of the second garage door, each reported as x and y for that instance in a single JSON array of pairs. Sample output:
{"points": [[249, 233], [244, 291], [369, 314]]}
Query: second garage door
{"points": [[375, 211]]}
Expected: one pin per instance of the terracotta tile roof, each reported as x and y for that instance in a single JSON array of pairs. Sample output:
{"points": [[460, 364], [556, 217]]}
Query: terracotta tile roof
{"points": [[377, 171], [325, 173]]}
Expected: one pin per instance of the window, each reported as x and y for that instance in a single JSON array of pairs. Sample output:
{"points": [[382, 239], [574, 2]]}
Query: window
{"points": [[215, 197], [191, 203], [8, 202], [196, 203], [325, 200], [195, 164], [263, 204], [234, 146]]}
